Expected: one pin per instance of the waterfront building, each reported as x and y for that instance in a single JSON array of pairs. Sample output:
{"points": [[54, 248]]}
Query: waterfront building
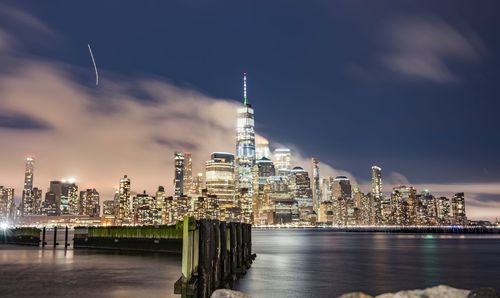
{"points": [[123, 214], [316, 187], [379, 204], [341, 187], [282, 161], [56, 188], [108, 213], [426, 209], [458, 209], [300, 187], [70, 203], [366, 209], [197, 185], [402, 199], [145, 211], [7, 207], [326, 189], [28, 203], [264, 169], [207, 206], [90, 203], [326, 214], [443, 209], [245, 155], [179, 164], [50, 206], [220, 179]]}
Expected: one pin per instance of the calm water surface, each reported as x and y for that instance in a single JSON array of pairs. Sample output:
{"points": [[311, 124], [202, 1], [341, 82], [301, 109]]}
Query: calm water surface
{"points": [[290, 263]]}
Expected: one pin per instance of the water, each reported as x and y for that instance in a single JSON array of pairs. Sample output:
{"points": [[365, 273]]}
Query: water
{"points": [[290, 263]]}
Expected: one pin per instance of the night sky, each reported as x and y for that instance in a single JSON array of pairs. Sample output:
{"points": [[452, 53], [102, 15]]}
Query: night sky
{"points": [[411, 86]]}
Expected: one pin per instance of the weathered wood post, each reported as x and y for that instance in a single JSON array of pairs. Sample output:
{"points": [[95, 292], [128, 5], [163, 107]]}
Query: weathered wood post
{"points": [[187, 287], [55, 237], [43, 237], [66, 244], [223, 263], [217, 251], [205, 266], [232, 248]]}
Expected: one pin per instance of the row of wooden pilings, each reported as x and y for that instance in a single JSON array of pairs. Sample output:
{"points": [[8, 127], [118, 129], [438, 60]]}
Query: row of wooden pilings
{"points": [[214, 254], [55, 243]]}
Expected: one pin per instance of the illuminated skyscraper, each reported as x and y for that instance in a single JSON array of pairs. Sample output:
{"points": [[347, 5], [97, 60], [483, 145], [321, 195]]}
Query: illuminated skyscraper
{"points": [[458, 209], [7, 208], [219, 179], [187, 182], [28, 204], [89, 203], [70, 203], [377, 197], [282, 161], [179, 174], [123, 214], [300, 187], [245, 154], [316, 187]]}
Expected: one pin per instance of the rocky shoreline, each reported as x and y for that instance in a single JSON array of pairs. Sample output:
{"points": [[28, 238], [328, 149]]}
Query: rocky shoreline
{"points": [[440, 291]]}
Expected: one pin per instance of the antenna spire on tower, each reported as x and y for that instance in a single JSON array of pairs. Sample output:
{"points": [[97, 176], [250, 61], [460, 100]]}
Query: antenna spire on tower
{"points": [[245, 99]]}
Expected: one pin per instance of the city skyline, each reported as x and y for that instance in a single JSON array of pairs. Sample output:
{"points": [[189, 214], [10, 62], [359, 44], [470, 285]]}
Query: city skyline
{"points": [[132, 102]]}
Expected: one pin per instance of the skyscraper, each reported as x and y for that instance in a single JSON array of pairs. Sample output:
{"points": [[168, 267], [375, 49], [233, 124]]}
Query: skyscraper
{"points": [[179, 174], [70, 203], [282, 161], [7, 208], [219, 178], [245, 154], [376, 181], [123, 208], [89, 202], [377, 196], [27, 202], [187, 182], [316, 188], [54, 198], [300, 187], [458, 209]]}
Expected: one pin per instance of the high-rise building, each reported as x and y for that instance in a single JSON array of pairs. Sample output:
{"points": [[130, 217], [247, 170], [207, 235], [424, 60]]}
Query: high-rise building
{"points": [[379, 204], [70, 203], [300, 187], [187, 183], [50, 206], [282, 161], [89, 203], [402, 201], [220, 180], [198, 185], [341, 187], [443, 208], [28, 204], [316, 187], [179, 164], [55, 197], [376, 181], [245, 154], [458, 209], [7, 207], [123, 214], [145, 210]]}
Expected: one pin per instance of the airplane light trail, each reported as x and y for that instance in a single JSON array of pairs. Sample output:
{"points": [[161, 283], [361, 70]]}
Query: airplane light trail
{"points": [[95, 67]]}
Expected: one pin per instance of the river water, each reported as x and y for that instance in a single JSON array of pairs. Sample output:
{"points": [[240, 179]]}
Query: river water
{"points": [[290, 263]]}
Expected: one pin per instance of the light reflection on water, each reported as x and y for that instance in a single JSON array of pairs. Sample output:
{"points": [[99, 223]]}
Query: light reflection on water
{"points": [[322, 263], [290, 263]]}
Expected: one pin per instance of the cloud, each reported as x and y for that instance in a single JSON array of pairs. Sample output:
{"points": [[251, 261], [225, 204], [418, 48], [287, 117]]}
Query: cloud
{"points": [[422, 47]]}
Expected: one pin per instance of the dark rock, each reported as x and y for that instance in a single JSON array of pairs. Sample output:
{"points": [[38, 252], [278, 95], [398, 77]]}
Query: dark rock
{"points": [[483, 293]]}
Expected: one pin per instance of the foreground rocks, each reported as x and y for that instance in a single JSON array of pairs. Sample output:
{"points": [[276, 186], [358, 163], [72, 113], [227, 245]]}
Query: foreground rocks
{"points": [[225, 293], [434, 292]]}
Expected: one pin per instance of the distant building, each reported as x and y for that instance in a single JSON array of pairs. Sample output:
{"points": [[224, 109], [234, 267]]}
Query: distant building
{"points": [[282, 161], [458, 209], [70, 203], [123, 212], [300, 187], [380, 205], [7, 207], [316, 184], [245, 155], [179, 164], [89, 203], [28, 204], [56, 190], [220, 179]]}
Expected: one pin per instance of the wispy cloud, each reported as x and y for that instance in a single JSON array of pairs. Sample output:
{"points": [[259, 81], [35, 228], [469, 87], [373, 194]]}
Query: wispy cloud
{"points": [[421, 48]]}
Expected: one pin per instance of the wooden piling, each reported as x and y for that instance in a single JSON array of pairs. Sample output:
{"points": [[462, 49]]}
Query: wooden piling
{"points": [[43, 237], [55, 237]]}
